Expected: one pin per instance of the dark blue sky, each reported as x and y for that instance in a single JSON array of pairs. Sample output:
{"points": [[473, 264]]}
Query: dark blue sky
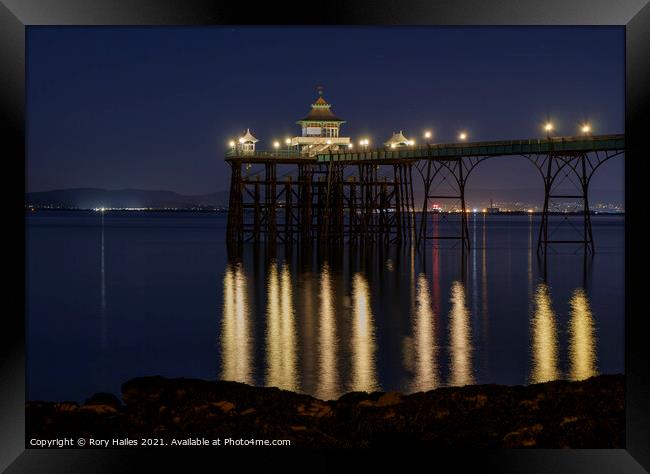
{"points": [[153, 108]]}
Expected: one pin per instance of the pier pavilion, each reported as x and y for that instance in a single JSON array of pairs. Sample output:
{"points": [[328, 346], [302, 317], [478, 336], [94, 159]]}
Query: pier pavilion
{"points": [[320, 130], [398, 140]]}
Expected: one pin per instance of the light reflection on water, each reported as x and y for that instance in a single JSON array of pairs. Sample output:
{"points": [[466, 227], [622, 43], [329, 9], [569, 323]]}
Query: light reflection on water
{"points": [[363, 376], [159, 295], [424, 329], [281, 332], [461, 340], [544, 338], [328, 380], [582, 344], [236, 339], [344, 344]]}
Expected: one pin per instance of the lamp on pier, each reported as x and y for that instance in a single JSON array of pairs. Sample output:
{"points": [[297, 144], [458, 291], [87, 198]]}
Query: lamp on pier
{"points": [[548, 126]]}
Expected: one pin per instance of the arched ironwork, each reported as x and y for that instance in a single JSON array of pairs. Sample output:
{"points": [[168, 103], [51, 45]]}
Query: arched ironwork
{"points": [[459, 169], [555, 168]]}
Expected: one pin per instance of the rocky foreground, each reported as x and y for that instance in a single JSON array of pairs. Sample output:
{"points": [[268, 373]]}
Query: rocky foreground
{"points": [[586, 414]]}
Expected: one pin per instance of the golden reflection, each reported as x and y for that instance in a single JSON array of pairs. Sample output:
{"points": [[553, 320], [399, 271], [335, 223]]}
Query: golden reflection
{"points": [[426, 371], [327, 342], [236, 340], [582, 338], [364, 377], [306, 313], [281, 331], [460, 338], [544, 338]]}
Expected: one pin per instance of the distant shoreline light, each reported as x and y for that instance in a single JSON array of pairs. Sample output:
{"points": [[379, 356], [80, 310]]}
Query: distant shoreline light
{"points": [[600, 211]]}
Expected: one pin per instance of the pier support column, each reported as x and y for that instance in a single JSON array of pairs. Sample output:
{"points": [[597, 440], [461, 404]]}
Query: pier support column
{"points": [[365, 204], [305, 191], [333, 212], [556, 169], [270, 202], [257, 211], [461, 189], [353, 226], [398, 193], [234, 233], [436, 172]]}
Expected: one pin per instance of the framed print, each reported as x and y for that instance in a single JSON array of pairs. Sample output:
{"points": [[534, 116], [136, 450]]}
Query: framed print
{"points": [[375, 229]]}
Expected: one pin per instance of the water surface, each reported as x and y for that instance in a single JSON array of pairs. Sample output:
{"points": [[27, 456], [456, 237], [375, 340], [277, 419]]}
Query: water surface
{"points": [[117, 295]]}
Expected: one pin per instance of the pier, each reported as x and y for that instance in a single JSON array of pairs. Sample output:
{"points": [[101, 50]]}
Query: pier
{"points": [[321, 189], [367, 196]]}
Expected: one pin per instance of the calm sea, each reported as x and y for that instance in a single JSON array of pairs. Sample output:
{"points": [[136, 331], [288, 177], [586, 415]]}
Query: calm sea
{"points": [[116, 295]]}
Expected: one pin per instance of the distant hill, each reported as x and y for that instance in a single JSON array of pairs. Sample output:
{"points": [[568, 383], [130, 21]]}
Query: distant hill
{"points": [[90, 198]]}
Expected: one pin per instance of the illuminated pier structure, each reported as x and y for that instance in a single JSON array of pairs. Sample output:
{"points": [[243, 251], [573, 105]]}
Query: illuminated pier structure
{"points": [[320, 188]]}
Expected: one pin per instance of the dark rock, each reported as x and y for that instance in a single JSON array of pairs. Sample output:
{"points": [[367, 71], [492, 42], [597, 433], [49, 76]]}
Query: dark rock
{"points": [[585, 414], [107, 399]]}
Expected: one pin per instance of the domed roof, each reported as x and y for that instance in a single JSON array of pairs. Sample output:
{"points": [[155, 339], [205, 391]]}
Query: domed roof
{"points": [[248, 137], [320, 111], [397, 139]]}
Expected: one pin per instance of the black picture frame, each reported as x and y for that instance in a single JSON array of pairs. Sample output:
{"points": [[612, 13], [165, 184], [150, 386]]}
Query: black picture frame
{"points": [[17, 15]]}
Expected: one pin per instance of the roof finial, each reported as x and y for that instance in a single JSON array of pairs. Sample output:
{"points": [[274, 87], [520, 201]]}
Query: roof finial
{"points": [[320, 90]]}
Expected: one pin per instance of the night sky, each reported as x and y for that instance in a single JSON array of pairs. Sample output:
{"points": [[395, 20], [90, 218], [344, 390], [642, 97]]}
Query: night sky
{"points": [[154, 108]]}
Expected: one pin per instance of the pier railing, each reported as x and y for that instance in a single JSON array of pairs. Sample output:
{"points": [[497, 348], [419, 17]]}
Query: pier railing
{"points": [[491, 148], [265, 154], [531, 146]]}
